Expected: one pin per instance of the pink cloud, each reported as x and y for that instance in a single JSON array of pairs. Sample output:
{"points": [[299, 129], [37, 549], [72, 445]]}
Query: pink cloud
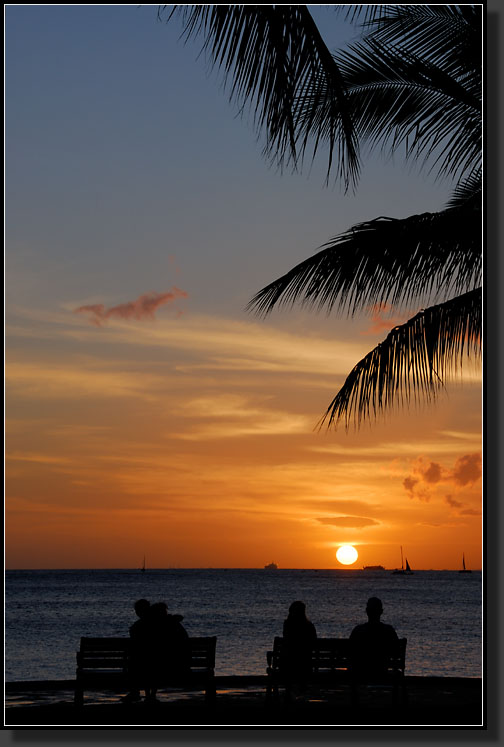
{"points": [[144, 307], [380, 323]]}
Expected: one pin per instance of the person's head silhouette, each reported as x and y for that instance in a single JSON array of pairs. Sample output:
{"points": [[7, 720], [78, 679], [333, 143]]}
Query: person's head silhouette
{"points": [[297, 610], [142, 607], [374, 609]]}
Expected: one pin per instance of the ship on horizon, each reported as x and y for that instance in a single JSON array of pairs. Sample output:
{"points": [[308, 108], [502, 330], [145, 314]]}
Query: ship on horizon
{"points": [[271, 567], [464, 569], [373, 568]]}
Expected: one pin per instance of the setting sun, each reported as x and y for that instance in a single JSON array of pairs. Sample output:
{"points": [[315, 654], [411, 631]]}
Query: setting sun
{"points": [[347, 554]]}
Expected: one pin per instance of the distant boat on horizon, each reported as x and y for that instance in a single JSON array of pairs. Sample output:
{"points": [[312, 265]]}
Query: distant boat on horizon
{"points": [[142, 569], [402, 571], [373, 568], [464, 569], [271, 567]]}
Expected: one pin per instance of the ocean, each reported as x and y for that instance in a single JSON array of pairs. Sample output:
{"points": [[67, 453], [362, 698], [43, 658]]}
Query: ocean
{"points": [[47, 612]]}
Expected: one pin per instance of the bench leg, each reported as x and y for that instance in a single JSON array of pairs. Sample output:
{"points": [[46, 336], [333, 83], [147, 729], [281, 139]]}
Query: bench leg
{"points": [[78, 696], [268, 691], [272, 694], [210, 693], [354, 693], [404, 694], [400, 684]]}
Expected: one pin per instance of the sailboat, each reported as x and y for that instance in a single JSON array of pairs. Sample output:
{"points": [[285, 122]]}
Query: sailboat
{"points": [[402, 571], [464, 569], [142, 569]]}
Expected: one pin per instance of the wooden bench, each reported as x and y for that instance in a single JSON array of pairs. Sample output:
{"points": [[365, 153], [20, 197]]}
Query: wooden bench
{"points": [[103, 663], [331, 664]]}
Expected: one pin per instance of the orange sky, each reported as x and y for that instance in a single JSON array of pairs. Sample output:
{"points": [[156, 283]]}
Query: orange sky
{"points": [[161, 419], [191, 439]]}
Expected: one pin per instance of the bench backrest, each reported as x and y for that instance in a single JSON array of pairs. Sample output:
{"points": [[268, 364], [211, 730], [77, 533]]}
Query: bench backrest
{"points": [[104, 653], [332, 654], [113, 653]]}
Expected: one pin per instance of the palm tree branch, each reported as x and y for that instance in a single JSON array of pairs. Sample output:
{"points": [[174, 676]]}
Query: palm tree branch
{"points": [[397, 96], [449, 35], [411, 362], [269, 55], [386, 261]]}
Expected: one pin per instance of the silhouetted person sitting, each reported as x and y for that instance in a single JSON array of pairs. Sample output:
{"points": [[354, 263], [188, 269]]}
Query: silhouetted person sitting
{"points": [[299, 634], [139, 636], [371, 643], [167, 650]]}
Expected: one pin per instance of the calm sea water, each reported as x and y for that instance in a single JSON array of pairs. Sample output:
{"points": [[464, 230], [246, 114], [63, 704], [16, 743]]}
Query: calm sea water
{"points": [[48, 611]]}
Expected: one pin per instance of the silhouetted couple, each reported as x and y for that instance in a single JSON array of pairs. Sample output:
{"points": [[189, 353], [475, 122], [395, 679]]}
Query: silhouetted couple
{"points": [[159, 650], [370, 646]]}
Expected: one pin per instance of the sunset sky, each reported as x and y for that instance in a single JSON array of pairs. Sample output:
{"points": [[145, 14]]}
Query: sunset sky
{"points": [[147, 411]]}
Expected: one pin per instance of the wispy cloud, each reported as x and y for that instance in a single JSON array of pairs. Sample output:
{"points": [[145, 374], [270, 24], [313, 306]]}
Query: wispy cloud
{"points": [[63, 381], [353, 522], [144, 307], [236, 416], [463, 435], [36, 458], [214, 343], [438, 444]]}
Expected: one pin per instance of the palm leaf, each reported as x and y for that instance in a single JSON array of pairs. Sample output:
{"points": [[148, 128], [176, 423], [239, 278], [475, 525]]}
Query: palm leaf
{"points": [[416, 79], [411, 362], [398, 99], [386, 260], [467, 193], [448, 35], [270, 55]]}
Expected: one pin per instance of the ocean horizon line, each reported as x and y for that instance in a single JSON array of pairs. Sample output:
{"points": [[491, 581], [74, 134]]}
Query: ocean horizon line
{"points": [[236, 568]]}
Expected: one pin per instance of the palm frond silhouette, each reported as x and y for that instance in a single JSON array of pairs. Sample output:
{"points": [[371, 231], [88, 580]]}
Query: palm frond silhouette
{"points": [[412, 82]]}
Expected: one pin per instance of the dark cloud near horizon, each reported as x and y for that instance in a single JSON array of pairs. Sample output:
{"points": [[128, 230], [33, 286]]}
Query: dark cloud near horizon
{"points": [[470, 512], [344, 506], [452, 502]]}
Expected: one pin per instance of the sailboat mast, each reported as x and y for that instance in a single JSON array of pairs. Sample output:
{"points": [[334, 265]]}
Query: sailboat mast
{"points": [[402, 561]]}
